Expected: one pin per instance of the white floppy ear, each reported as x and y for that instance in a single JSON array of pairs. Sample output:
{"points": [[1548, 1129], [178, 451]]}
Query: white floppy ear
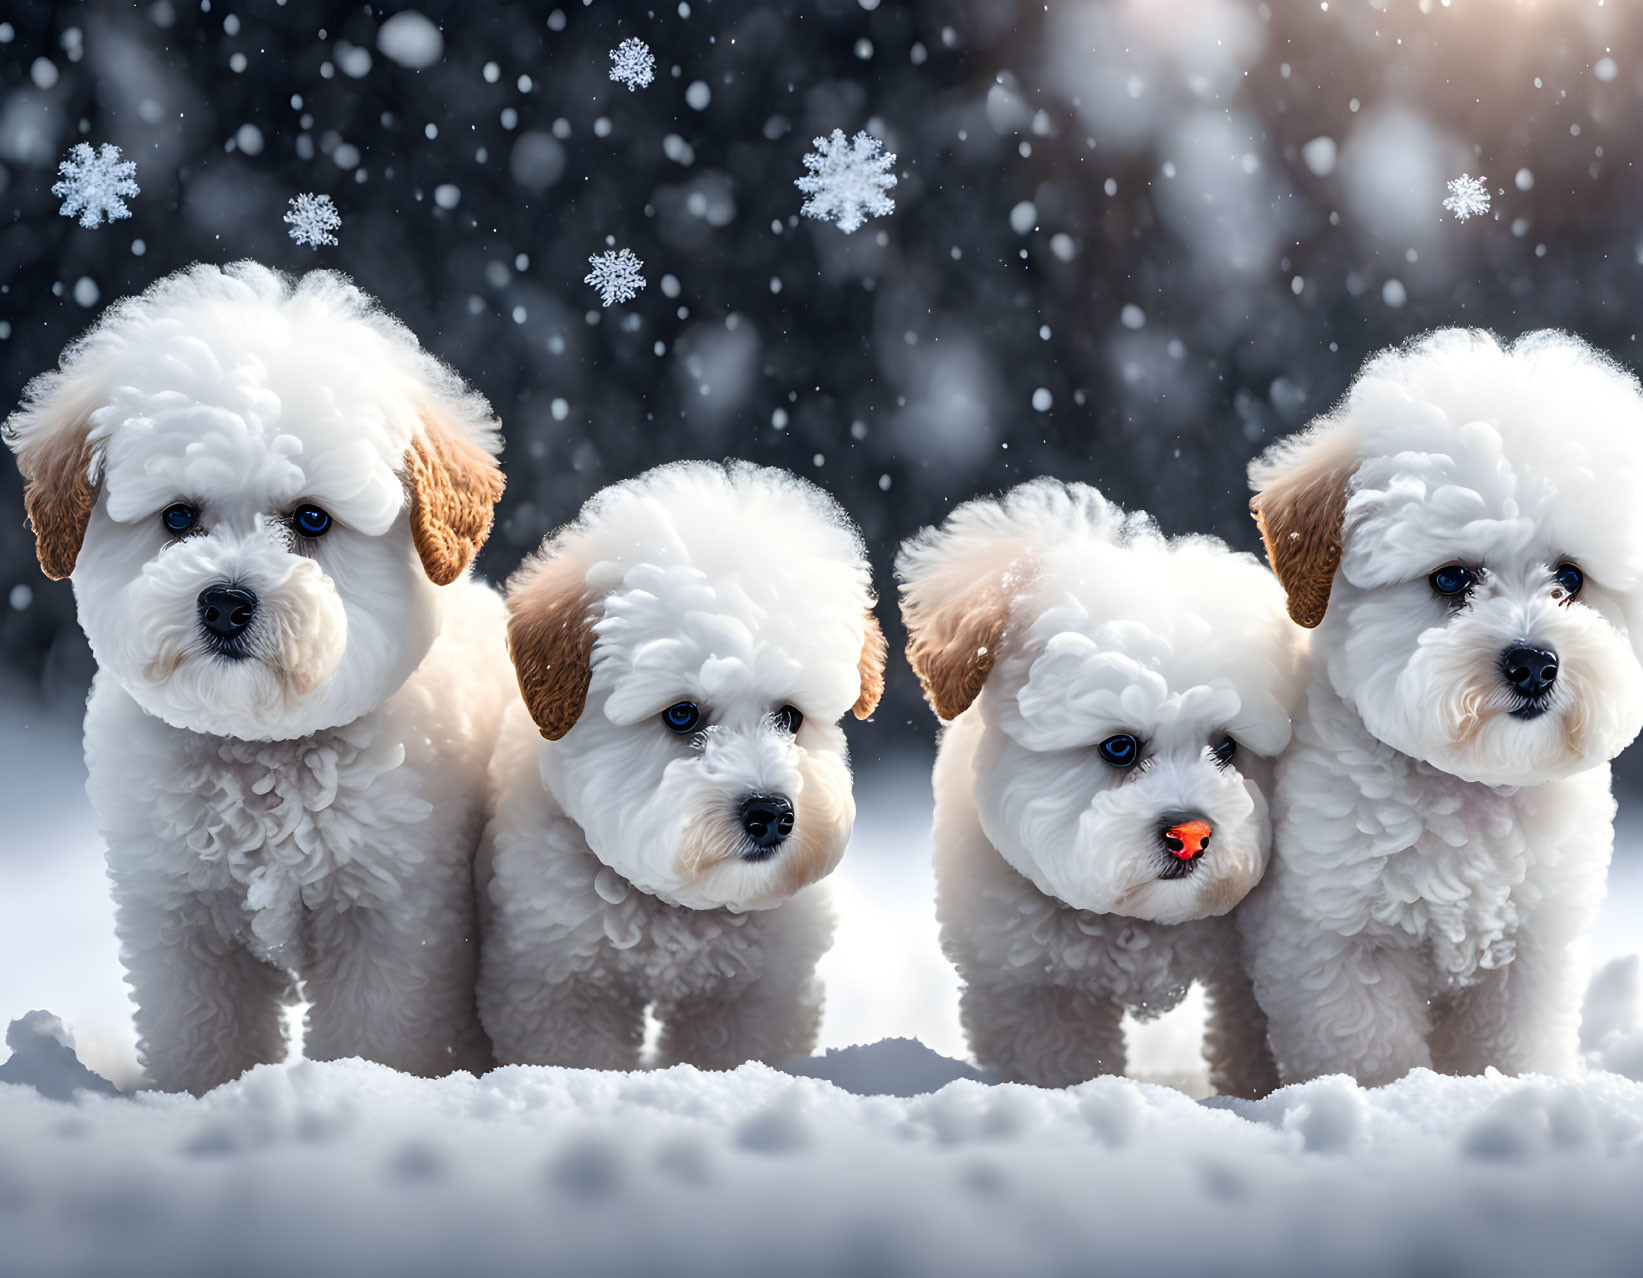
{"points": [[1300, 506], [48, 433], [957, 582]]}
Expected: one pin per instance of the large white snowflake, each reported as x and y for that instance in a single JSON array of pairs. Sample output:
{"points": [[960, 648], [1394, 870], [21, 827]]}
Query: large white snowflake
{"points": [[1468, 197], [847, 180], [615, 275], [312, 218], [94, 183], [632, 64]]}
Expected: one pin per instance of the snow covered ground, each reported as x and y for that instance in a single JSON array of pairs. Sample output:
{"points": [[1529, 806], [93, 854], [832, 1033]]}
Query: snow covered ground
{"points": [[349, 1167]]}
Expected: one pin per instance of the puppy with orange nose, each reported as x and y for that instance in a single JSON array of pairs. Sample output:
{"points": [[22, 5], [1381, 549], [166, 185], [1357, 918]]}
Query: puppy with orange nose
{"points": [[674, 782], [1113, 701]]}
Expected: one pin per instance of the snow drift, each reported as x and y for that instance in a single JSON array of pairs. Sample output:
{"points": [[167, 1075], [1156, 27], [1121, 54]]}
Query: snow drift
{"points": [[350, 1167]]}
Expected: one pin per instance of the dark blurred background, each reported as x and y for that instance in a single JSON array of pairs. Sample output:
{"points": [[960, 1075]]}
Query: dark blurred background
{"points": [[1133, 242]]}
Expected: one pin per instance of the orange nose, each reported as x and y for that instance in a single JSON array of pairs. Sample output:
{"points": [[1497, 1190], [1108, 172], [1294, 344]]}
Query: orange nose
{"points": [[1187, 840]]}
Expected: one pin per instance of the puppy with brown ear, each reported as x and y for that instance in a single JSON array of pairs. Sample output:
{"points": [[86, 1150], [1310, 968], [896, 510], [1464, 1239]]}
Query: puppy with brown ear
{"points": [[1463, 531], [267, 496], [675, 781], [1112, 703]]}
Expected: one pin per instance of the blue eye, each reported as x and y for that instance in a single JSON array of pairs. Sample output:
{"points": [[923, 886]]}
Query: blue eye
{"points": [[1452, 580], [1120, 751], [1570, 578], [1225, 752], [682, 717], [790, 718], [310, 521], [179, 518]]}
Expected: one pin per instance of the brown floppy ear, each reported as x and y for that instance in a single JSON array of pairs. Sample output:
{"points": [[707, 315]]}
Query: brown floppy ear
{"points": [[49, 435], [1300, 508], [871, 668], [957, 582], [454, 483], [550, 638], [952, 649], [58, 497]]}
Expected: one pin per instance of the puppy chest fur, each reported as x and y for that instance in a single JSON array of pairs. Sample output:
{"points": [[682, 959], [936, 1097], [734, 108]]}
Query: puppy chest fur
{"points": [[595, 926], [277, 827], [1144, 968], [1404, 854]]}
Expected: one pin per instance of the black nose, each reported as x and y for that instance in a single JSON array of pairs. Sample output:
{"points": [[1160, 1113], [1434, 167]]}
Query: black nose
{"points": [[1532, 671], [767, 819], [226, 610]]}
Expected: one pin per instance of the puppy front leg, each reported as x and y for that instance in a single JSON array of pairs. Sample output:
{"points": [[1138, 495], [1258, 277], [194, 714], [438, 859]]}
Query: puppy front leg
{"points": [[1235, 1043], [582, 1022], [207, 1009], [396, 985], [773, 1020], [1046, 1035], [1523, 1018], [1339, 1004], [775, 1011]]}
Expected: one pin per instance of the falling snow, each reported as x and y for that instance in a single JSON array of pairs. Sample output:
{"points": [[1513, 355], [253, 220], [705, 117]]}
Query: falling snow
{"points": [[847, 180], [93, 184], [616, 275], [1468, 197], [632, 64], [312, 218]]}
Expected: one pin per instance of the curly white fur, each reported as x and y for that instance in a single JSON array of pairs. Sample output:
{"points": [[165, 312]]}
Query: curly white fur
{"points": [[1059, 903], [614, 874], [304, 818], [1439, 859]]}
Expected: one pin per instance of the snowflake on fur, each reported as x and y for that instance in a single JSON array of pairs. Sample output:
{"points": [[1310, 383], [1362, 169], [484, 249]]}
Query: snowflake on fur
{"points": [[632, 64], [94, 184], [312, 218], [615, 275], [847, 180], [1468, 197]]}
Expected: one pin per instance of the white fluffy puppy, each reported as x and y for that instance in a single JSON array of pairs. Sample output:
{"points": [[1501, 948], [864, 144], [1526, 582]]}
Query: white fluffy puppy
{"points": [[1114, 700], [686, 648], [1464, 531], [267, 496]]}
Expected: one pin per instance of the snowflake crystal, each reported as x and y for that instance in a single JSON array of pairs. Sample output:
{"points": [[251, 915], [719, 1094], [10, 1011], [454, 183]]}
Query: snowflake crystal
{"points": [[847, 181], [615, 275], [1468, 197], [312, 218], [632, 64], [94, 182]]}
